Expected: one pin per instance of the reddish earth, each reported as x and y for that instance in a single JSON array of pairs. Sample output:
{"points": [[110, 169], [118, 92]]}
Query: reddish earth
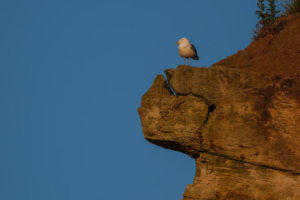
{"points": [[275, 54]]}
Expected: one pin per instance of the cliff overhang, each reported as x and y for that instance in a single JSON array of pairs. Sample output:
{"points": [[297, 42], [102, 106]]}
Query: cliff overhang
{"points": [[225, 117]]}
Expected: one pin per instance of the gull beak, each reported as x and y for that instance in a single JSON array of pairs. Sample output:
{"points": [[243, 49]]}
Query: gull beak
{"points": [[177, 42]]}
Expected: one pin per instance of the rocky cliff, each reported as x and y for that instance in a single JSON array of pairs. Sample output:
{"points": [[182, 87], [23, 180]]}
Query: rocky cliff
{"points": [[242, 128], [240, 120]]}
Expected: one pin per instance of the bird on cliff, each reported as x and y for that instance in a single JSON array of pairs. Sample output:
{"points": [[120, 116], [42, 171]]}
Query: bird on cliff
{"points": [[187, 50]]}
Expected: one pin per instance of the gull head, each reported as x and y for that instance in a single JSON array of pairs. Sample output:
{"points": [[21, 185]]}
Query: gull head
{"points": [[183, 41]]}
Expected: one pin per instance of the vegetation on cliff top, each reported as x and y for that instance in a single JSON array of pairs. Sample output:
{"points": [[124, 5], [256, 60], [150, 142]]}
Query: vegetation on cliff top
{"points": [[273, 19], [290, 6]]}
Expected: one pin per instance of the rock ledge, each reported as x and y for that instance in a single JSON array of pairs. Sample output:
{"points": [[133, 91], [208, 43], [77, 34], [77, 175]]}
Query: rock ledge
{"points": [[242, 127]]}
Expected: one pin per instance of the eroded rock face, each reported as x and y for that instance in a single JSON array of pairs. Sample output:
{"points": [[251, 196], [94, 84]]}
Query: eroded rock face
{"points": [[221, 178], [232, 116], [171, 121]]}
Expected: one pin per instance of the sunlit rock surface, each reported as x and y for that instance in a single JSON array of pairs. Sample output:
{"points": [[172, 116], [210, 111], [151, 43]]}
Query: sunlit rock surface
{"points": [[241, 126]]}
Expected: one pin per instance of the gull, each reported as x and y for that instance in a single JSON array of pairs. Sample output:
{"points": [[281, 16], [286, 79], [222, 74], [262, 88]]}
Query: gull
{"points": [[187, 50]]}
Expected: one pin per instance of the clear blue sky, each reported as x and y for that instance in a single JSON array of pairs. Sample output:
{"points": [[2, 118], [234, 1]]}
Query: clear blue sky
{"points": [[72, 74]]}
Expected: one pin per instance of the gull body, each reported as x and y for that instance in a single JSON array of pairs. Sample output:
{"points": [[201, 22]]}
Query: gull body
{"points": [[187, 50]]}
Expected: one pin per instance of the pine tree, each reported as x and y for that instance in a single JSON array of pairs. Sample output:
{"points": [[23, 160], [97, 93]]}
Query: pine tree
{"points": [[267, 26], [261, 13], [273, 12]]}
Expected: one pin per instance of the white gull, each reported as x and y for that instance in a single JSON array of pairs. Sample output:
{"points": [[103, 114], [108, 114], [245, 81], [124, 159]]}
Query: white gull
{"points": [[187, 50]]}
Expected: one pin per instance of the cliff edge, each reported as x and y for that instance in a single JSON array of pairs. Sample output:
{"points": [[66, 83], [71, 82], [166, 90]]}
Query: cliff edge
{"points": [[241, 123]]}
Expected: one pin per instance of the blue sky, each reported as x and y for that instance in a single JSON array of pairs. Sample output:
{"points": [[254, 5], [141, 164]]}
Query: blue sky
{"points": [[72, 74]]}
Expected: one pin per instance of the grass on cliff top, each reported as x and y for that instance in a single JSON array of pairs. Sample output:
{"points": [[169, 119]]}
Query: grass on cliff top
{"points": [[290, 7]]}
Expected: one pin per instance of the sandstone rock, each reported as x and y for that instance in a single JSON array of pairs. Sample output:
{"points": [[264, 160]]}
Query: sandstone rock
{"points": [[239, 119], [221, 178], [172, 121]]}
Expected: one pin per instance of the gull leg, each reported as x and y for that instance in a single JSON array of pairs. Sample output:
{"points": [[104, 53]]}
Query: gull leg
{"points": [[189, 61]]}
